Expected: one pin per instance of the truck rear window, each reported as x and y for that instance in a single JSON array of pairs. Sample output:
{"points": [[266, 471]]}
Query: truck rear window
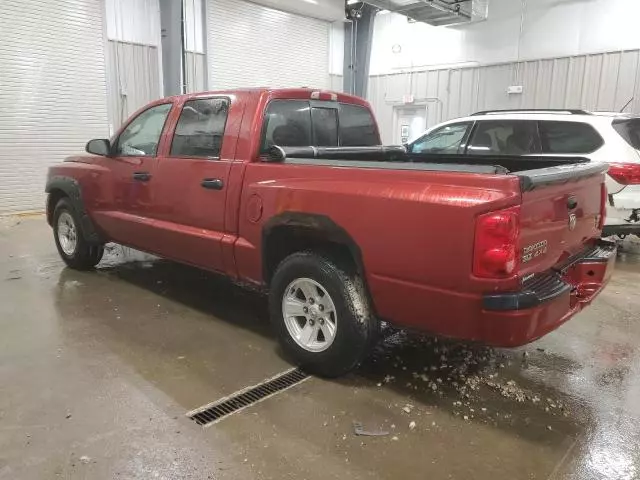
{"points": [[297, 123], [287, 123], [629, 129], [357, 127]]}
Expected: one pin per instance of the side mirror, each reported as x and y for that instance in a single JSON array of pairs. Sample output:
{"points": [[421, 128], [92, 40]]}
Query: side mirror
{"points": [[99, 146]]}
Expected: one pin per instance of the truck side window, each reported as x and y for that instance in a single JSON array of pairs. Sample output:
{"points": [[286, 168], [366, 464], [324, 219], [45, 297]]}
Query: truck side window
{"points": [[200, 128], [287, 123], [445, 140], [568, 137], [504, 137], [357, 127], [325, 127], [140, 138]]}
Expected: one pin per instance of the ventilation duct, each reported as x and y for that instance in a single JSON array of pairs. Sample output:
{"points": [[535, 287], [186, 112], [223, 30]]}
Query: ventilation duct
{"points": [[437, 12]]}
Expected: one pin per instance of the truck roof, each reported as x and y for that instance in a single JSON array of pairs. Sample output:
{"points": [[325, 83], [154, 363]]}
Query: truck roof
{"points": [[292, 93]]}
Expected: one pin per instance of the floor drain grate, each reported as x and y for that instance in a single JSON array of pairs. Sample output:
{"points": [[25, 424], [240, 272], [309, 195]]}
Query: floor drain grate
{"points": [[216, 411]]}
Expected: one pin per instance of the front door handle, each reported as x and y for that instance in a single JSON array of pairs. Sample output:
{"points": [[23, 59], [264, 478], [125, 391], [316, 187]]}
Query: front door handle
{"points": [[212, 183], [142, 176]]}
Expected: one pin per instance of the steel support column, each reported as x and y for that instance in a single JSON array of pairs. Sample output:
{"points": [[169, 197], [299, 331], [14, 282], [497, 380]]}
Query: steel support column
{"points": [[358, 34]]}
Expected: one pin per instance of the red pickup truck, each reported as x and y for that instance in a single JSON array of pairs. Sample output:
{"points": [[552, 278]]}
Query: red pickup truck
{"points": [[289, 190]]}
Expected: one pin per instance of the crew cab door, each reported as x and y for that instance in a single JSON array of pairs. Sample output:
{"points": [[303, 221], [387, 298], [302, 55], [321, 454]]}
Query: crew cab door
{"points": [[125, 214], [192, 180]]}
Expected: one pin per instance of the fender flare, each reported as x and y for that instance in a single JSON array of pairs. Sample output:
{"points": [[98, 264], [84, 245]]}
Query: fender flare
{"points": [[72, 190], [316, 223]]}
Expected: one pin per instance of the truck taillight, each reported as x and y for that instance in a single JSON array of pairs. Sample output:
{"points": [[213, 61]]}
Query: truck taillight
{"points": [[496, 244], [625, 173]]}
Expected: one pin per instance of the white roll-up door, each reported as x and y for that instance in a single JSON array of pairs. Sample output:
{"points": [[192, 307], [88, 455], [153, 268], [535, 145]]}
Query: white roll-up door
{"points": [[250, 45], [52, 91]]}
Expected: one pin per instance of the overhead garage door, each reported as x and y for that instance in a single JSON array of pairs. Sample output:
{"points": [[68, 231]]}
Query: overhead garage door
{"points": [[52, 91], [250, 45]]}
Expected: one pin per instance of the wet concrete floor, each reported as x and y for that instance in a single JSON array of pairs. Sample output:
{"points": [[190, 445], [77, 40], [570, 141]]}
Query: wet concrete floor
{"points": [[97, 371]]}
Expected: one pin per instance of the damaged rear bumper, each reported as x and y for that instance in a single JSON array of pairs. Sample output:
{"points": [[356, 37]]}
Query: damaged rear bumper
{"points": [[547, 300]]}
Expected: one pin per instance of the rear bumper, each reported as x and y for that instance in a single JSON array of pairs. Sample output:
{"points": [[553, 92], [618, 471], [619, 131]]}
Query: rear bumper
{"points": [[547, 301], [624, 229], [504, 320], [622, 213]]}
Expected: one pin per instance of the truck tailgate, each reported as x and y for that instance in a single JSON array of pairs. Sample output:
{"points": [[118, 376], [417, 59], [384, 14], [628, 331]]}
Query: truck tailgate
{"points": [[561, 213]]}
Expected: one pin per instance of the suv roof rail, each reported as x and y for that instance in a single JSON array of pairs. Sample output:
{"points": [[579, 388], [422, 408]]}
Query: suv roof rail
{"points": [[534, 110]]}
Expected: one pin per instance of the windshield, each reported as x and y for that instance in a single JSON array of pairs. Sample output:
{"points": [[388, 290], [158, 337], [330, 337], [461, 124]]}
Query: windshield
{"points": [[629, 129], [445, 140]]}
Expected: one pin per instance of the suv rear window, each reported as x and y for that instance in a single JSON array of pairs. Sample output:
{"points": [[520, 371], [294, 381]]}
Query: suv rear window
{"points": [[568, 137], [629, 129]]}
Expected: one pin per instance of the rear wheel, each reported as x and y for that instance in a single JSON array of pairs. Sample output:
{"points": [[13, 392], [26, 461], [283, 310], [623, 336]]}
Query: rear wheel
{"points": [[67, 231], [321, 313]]}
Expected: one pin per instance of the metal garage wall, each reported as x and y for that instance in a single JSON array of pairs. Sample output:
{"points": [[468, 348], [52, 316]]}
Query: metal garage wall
{"points": [[52, 91], [134, 75], [336, 83], [134, 62], [196, 71], [252, 45], [195, 68], [605, 81]]}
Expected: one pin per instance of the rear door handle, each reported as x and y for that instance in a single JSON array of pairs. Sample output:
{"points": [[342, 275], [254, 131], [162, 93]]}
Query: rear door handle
{"points": [[142, 176], [212, 183]]}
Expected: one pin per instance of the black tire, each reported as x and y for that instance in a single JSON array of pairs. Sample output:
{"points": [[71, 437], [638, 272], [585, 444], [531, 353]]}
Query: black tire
{"points": [[357, 329], [85, 255]]}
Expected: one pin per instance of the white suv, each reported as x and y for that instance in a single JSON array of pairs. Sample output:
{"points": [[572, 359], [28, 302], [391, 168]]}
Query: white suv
{"points": [[613, 138]]}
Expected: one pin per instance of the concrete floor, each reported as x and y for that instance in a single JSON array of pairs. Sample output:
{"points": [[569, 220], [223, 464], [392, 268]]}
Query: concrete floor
{"points": [[97, 371]]}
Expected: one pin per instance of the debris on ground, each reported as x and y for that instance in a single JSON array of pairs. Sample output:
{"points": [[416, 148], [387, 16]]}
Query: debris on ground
{"points": [[394, 438], [412, 425], [359, 430], [407, 408], [84, 459], [441, 368]]}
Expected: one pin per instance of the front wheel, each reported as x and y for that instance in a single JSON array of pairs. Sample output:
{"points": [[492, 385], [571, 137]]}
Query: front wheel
{"points": [[322, 314], [73, 248]]}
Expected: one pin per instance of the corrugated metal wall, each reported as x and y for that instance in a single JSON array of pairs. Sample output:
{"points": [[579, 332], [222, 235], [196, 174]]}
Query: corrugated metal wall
{"points": [[336, 83], [194, 46], [134, 63], [251, 45], [52, 91], [196, 71], [605, 81], [134, 78]]}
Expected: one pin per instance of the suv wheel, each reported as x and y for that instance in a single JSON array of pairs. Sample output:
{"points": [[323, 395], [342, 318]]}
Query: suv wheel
{"points": [[70, 241], [321, 314]]}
